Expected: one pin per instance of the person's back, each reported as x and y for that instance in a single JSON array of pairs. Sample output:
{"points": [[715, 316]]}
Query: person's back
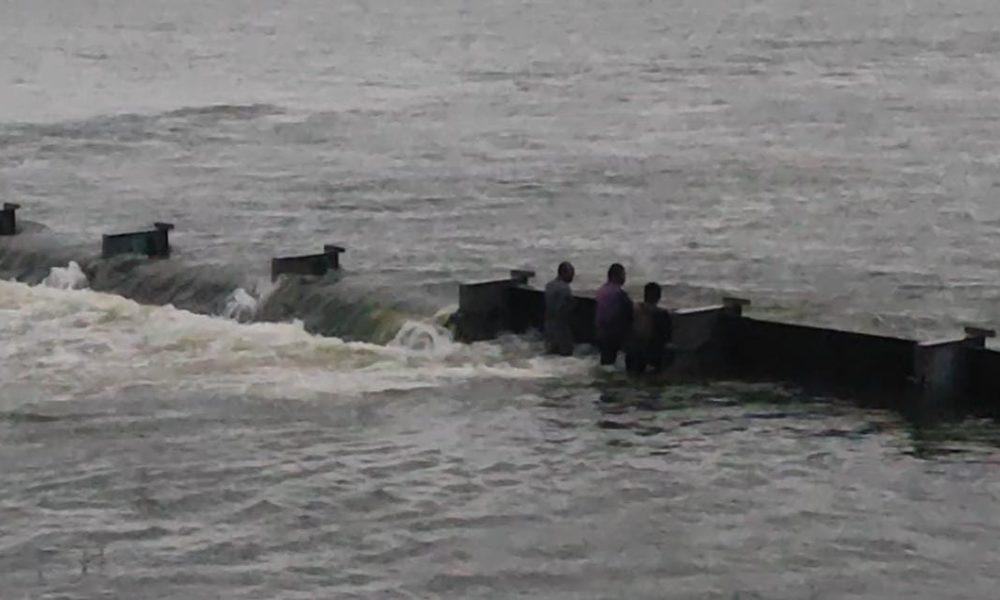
{"points": [[559, 306], [644, 323], [613, 315], [651, 331]]}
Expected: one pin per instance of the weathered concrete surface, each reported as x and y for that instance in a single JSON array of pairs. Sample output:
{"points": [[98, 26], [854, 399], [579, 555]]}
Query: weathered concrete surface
{"points": [[483, 310], [154, 243], [877, 368], [982, 383], [310, 264], [488, 308], [8, 218], [942, 372], [700, 341]]}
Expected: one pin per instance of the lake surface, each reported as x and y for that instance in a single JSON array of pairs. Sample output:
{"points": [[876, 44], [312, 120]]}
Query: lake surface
{"points": [[836, 164]]}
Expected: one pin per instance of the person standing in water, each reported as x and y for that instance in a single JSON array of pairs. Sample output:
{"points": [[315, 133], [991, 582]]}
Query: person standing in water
{"points": [[651, 331], [613, 318], [559, 307]]}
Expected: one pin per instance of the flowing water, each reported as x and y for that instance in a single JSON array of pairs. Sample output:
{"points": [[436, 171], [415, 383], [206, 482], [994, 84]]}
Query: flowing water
{"points": [[190, 429]]}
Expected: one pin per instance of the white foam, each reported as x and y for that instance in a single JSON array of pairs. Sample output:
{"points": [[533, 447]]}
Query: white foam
{"points": [[70, 277], [68, 344], [425, 338], [241, 306]]}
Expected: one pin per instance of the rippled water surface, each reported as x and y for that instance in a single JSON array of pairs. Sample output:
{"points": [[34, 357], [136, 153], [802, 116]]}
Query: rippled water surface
{"points": [[836, 162]]}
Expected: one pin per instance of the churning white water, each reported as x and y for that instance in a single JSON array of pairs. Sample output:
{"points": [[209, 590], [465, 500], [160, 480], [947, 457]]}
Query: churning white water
{"points": [[71, 345], [70, 277]]}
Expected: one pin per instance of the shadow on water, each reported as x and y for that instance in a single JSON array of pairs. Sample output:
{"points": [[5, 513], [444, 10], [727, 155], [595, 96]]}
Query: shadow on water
{"points": [[650, 409], [968, 440], [637, 413]]}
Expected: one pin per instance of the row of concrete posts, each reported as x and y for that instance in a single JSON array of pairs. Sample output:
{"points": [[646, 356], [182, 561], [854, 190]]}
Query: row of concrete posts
{"points": [[155, 243]]}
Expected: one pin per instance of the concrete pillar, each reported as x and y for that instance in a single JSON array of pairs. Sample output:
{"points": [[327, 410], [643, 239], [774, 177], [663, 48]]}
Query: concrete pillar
{"points": [[942, 372], [734, 306], [8, 219], [333, 253], [154, 244], [310, 264], [521, 276], [982, 389], [700, 338], [482, 310], [487, 309]]}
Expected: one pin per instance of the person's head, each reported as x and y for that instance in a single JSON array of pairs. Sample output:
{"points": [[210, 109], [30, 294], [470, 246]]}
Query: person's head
{"points": [[616, 274], [566, 271], [651, 293]]}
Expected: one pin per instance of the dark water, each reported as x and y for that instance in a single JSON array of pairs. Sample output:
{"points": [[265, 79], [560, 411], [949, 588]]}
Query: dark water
{"points": [[483, 491], [834, 163]]}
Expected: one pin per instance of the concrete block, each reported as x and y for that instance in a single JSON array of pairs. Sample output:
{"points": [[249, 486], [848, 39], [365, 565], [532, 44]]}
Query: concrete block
{"points": [[483, 310], [943, 374], [154, 243], [972, 332], [982, 381], [734, 306], [310, 264], [700, 341], [521, 276], [8, 218]]}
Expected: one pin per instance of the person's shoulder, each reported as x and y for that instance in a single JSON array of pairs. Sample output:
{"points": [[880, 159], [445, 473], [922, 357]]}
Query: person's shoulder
{"points": [[663, 319], [558, 286]]}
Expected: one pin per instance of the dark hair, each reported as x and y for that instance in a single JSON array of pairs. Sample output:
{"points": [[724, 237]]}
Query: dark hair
{"points": [[652, 292], [616, 271], [564, 268]]}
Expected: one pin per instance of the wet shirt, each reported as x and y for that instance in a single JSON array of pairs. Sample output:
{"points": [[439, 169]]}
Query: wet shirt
{"points": [[651, 326], [558, 302], [614, 311], [559, 314]]}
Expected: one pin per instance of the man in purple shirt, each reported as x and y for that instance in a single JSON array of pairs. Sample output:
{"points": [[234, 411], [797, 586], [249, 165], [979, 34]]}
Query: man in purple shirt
{"points": [[613, 318]]}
